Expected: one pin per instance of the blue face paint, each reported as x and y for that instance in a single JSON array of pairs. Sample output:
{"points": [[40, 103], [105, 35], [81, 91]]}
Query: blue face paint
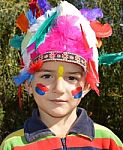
{"points": [[77, 93], [77, 96], [41, 89], [40, 92]]}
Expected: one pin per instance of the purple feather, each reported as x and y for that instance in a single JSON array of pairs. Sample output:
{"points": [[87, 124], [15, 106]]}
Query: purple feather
{"points": [[44, 5], [92, 14]]}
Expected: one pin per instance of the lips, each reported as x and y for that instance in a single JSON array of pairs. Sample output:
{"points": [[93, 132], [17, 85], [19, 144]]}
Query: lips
{"points": [[58, 101]]}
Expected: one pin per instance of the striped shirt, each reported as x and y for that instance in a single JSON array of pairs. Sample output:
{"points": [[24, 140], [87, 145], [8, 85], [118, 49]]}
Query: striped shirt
{"points": [[84, 135]]}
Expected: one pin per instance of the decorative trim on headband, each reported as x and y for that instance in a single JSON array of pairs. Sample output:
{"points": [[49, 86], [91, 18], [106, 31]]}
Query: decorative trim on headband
{"points": [[63, 56]]}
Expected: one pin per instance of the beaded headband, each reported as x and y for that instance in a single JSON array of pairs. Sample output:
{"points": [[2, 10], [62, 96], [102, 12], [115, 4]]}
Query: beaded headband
{"points": [[64, 56]]}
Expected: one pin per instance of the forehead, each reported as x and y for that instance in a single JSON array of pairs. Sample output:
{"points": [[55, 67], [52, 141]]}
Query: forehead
{"points": [[68, 67]]}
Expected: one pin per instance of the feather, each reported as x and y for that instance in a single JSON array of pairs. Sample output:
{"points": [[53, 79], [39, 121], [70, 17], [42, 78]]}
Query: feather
{"points": [[34, 54], [20, 97], [24, 53], [16, 41], [31, 18], [32, 6], [30, 79], [92, 14], [23, 76], [35, 66], [99, 43], [92, 76], [84, 39], [31, 47], [38, 38], [43, 4], [89, 32], [66, 37], [101, 30], [35, 9], [21, 63], [108, 59], [22, 22]]}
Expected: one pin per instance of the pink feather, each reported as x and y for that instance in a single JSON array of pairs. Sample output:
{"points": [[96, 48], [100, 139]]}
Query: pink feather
{"points": [[65, 37], [33, 55], [31, 47]]}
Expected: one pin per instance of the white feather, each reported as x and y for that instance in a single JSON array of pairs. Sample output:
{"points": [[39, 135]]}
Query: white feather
{"points": [[25, 55]]}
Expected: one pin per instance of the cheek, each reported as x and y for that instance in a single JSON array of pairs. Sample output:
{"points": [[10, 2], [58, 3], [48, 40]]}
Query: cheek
{"points": [[77, 93], [41, 89]]}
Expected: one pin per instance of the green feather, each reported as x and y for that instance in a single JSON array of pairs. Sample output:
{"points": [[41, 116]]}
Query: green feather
{"points": [[16, 41], [108, 59], [42, 31]]}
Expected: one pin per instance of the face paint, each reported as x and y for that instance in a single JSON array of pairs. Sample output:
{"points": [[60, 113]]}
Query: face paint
{"points": [[77, 93], [41, 89], [60, 72]]}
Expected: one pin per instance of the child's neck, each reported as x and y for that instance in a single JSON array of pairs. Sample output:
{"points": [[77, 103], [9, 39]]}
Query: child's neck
{"points": [[60, 126]]}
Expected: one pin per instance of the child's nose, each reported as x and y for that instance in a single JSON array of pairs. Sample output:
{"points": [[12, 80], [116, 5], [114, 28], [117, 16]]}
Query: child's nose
{"points": [[59, 86]]}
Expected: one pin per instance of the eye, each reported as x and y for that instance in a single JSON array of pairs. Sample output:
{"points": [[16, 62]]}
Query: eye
{"points": [[46, 76], [72, 78]]}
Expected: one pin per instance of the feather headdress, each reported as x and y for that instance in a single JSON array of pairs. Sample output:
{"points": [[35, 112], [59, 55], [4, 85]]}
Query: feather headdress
{"points": [[63, 33]]}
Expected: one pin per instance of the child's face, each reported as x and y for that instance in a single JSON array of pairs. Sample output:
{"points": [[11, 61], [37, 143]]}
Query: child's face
{"points": [[57, 87]]}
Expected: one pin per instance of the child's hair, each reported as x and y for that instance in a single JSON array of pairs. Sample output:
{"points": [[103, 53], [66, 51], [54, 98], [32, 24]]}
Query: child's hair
{"points": [[62, 33]]}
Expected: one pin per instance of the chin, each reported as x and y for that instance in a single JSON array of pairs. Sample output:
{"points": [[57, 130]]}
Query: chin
{"points": [[59, 113]]}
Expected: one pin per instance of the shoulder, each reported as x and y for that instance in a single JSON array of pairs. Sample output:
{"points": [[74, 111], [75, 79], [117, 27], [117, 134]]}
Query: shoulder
{"points": [[100, 130], [12, 139], [19, 132], [105, 134]]}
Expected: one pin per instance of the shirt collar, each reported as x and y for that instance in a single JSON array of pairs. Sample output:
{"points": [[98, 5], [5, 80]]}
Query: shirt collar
{"points": [[35, 128], [83, 126]]}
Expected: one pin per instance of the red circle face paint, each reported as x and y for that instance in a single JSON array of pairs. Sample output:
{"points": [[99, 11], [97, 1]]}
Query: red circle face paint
{"points": [[77, 93]]}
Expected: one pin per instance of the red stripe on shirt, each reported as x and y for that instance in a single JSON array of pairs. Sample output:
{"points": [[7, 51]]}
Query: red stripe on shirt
{"points": [[100, 143], [47, 144]]}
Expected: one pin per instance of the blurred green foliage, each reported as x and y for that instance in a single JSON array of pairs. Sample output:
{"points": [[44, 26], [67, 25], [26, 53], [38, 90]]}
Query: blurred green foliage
{"points": [[106, 109]]}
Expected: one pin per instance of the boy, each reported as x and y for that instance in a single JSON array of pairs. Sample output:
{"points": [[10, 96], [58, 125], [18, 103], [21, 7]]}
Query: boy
{"points": [[60, 60]]}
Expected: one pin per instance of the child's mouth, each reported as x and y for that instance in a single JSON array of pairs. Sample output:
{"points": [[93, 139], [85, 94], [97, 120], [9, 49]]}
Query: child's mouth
{"points": [[58, 101]]}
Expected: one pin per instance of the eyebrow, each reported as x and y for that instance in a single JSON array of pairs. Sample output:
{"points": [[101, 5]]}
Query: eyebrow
{"points": [[46, 70], [71, 72]]}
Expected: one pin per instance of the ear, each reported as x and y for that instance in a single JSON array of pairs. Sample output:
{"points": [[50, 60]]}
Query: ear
{"points": [[86, 89], [28, 87]]}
